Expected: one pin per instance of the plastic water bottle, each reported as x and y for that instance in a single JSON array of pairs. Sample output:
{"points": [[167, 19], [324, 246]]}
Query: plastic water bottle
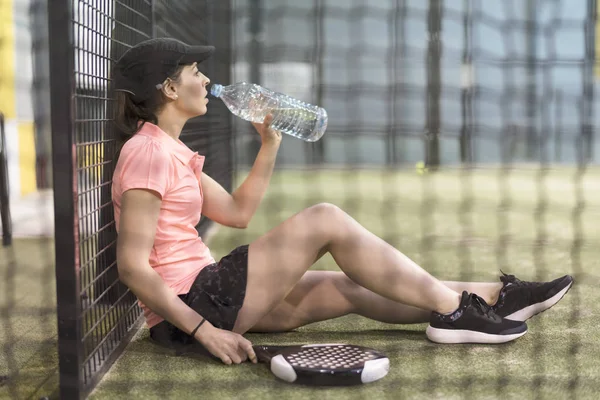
{"points": [[291, 116]]}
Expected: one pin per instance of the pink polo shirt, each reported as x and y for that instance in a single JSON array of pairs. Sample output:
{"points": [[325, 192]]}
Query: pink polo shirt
{"points": [[151, 159]]}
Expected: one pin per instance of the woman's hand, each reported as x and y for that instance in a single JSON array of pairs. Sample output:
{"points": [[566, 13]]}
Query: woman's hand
{"points": [[268, 135], [230, 347]]}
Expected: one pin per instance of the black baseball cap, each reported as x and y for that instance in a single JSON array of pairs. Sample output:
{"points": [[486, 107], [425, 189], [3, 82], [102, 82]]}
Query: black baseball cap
{"points": [[142, 69]]}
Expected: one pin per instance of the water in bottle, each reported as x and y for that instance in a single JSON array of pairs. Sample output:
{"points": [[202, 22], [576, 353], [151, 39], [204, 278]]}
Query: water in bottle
{"points": [[291, 116]]}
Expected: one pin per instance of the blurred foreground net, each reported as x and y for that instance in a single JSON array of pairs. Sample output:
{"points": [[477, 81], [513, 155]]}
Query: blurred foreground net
{"points": [[461, 132]]}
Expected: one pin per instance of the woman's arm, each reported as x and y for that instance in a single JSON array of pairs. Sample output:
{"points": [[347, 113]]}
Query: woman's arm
{"points": [[237, 209], [139, 216]]}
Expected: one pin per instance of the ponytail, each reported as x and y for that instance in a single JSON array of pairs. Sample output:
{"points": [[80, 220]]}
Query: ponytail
{"points": [[130, 116]]}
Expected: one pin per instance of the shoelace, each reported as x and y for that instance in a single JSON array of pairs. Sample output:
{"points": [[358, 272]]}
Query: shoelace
{"points": [[516, 282], [511, 282], [481, 306]]}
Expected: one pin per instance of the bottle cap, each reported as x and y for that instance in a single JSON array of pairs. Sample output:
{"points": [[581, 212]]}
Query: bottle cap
{"points": [[216, 90]]}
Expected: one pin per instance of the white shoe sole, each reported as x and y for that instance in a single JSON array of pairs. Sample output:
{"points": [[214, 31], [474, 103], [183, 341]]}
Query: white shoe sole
{"points": [[451, 336], [525, 313]]}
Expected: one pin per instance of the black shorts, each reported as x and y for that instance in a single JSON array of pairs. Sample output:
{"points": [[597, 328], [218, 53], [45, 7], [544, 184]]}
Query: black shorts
{"points": [[217, 294]]}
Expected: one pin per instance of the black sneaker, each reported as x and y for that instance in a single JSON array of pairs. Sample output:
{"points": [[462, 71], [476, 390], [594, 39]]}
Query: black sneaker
{"points": [[473, 322], [520, 300]]}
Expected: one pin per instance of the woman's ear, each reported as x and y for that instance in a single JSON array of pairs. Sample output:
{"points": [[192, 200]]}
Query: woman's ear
{"points": [[169, 89]]}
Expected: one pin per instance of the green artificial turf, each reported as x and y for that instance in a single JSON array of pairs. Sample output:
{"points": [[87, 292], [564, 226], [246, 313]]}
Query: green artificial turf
{"points": [[28, 334], [456, 224]]}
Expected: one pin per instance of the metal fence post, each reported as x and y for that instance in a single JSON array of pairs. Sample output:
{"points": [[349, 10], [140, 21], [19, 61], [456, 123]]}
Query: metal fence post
{"points": [[68, 309], [434, 87], [4, 189]]}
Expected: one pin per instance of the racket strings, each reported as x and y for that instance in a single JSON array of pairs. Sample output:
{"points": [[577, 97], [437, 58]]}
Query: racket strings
{"points": [[330, 357]]}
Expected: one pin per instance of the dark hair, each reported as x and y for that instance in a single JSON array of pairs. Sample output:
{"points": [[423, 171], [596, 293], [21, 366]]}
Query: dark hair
{"points": [[128, 113]]}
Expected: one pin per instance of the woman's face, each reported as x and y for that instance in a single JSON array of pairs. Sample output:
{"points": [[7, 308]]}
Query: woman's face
{"points": [[191, 91]]}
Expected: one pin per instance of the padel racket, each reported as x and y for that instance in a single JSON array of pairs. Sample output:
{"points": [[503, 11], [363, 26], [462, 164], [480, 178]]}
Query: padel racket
{"points": [[324, 364]]}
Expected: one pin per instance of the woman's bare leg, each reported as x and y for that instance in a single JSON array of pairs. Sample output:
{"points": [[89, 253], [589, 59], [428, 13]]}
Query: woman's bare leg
{"points": [[278, 260], [323, 295]]}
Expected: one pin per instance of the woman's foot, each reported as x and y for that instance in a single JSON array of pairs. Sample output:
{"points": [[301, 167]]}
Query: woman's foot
{"points": [[520, 300], [473, 322]]}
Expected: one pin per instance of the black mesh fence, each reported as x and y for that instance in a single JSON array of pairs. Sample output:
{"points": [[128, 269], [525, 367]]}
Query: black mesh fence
{"points": [[95, 312], [462, 132], [97, 315]]}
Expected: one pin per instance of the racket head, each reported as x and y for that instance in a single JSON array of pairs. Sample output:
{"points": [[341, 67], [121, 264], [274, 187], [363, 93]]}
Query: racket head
{"points": [[328, 364]]}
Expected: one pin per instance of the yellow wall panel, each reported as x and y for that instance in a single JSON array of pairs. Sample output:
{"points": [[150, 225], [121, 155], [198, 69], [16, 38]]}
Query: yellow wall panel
{"points": [[7, 60], [27, 157]]}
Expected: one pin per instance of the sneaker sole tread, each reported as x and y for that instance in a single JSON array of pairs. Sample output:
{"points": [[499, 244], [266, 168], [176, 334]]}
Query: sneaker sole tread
{"points": [[451, 336]]}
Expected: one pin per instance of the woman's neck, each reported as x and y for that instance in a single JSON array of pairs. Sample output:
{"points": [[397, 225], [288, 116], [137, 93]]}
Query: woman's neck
{"points": [[171, 124]]}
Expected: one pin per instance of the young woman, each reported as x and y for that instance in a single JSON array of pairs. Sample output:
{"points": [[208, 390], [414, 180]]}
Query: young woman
{"points": [[159, 192]]}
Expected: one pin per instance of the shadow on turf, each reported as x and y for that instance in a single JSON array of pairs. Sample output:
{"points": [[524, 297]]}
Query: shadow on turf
{"points": [[361, 337], [392, 342], [399, 344]]}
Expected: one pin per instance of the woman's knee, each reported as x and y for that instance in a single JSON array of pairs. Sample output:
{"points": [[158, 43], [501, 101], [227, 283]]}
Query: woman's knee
{"points": [[324, 222], [325, 210], [325, 216]]}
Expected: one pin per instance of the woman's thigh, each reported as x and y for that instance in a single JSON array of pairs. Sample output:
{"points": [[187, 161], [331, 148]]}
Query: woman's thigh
{"points": [[279, 259], [318, 296]]}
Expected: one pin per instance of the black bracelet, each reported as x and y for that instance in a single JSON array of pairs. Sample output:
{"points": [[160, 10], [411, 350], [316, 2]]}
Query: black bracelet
{"points": [[198, 327]]}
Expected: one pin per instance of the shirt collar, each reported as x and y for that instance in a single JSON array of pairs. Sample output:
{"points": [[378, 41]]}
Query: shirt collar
{"points": [[174, 146]]}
